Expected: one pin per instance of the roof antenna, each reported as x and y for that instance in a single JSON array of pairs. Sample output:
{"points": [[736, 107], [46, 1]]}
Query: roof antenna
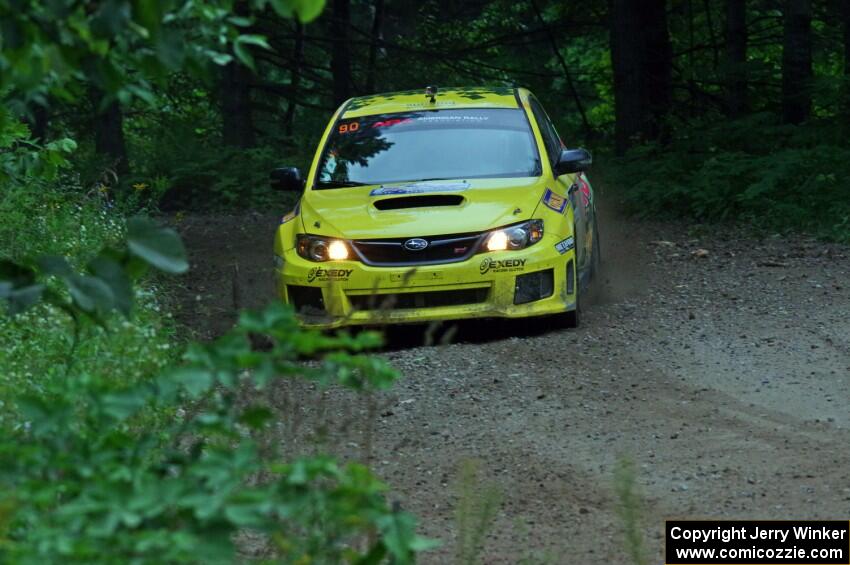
{"points": [[431, 92]]}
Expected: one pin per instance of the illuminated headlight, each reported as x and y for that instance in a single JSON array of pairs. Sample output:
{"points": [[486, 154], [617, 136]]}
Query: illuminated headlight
{"points": [[317, 248], [515, 237]]}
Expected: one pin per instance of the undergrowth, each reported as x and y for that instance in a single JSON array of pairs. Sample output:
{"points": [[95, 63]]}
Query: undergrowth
{"points": [[38, 347], [755, 171]]}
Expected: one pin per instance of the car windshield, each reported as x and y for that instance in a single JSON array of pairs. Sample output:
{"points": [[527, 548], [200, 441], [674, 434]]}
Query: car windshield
{"points": [[429, 145]]}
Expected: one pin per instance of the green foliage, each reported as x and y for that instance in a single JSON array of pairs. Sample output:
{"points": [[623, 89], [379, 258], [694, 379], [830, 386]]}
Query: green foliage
{"points": [[179, 160], [203, 178], [777, 177], [24, 161], [106, 284], [629, 508], [44, 46], [477, 507], [104, 455], [86, 478], [58, 219]]}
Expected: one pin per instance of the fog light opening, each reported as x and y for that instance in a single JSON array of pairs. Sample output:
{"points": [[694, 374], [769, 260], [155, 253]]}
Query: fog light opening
{"points": [[534, 286]]}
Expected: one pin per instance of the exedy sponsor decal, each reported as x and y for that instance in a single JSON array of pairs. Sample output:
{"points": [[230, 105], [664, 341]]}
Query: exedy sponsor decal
{"points": [[565, 245], [322, 274], [553, 201], [501, 265]]}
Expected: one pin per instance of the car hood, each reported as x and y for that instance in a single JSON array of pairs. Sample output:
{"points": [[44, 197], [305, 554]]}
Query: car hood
{"points": [[420, 208]]}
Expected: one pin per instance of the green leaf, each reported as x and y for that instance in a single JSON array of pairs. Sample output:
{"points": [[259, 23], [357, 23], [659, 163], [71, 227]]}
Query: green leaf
{"points": [[243, 55], [374, 557], [170, 49], [64, 145], [18, 287], [256, 416], [111, 18], [21, 299], [306, 10], [122, 405], [249, 39], [158, 246], [245, 515], [195, 380], [221, 59], [90, 293], [112, 274], [398, 532], [53, 265]]}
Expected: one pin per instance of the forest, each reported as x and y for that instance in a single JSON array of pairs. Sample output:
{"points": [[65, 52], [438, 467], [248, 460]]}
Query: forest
{"points": [[124, 440]]}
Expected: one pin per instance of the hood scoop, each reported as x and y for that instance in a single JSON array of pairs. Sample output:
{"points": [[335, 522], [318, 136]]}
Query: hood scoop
{"points": [[423, 201]]}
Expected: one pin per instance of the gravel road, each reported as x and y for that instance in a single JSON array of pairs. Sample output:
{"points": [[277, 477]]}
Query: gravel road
{"points": [[718, 364]]}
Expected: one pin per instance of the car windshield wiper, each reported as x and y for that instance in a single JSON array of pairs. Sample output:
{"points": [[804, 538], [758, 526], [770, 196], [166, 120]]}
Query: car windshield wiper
{"points": [[339, 183]]}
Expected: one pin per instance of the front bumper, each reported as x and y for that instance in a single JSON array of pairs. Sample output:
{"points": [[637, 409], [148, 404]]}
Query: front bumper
{"points": [[507, 284]]}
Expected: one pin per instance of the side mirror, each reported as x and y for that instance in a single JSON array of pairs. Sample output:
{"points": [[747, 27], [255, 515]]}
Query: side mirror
{"points": [[286, 178], [573, 161]]}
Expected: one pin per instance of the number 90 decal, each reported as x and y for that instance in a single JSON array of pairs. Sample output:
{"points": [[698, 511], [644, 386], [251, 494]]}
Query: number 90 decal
{"points": [[349, 128]]}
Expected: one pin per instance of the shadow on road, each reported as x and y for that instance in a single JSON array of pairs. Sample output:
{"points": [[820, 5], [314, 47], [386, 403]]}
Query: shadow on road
{"points": [[407, 336]]}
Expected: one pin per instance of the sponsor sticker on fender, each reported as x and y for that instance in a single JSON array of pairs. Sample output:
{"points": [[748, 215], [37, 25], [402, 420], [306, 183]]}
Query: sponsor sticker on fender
{"points": [[501, 265], [553, 201], [565, 245], [322, 274]]}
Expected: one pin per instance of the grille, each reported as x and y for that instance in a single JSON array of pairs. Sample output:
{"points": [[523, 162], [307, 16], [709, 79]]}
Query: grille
{"points": [[441, 249], [432, 299]]}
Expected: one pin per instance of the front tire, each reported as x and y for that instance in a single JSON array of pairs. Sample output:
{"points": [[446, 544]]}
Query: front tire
{"points": [[572, 318]]}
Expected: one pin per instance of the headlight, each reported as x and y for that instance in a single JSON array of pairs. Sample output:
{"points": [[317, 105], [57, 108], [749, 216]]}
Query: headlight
{"points": [[515, 237], [317, 248]]}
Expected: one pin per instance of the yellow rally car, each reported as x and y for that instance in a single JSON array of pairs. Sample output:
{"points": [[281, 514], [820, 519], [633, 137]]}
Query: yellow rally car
{"points": [[438, 205]]}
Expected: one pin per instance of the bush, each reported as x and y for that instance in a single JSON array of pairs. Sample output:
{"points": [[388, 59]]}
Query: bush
{"points": [[85, 477], [184, 166], [53, 215], [776, 177]]}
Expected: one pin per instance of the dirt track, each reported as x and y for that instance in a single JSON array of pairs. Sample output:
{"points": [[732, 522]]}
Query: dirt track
{"points": [[724, 378]]}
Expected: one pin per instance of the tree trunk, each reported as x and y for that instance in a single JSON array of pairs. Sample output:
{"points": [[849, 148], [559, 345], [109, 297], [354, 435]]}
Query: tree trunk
{"points": [[294, 78], [340, 53], [236, 111], [626, 60], [846, 13], [736, 58], [109, 132], [641, 57], [797, 61], [38, 121], [375, 44], [658, 65]]}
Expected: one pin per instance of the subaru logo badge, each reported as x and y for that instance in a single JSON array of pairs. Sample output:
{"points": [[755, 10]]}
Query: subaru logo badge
{"points": [[415, 244]]}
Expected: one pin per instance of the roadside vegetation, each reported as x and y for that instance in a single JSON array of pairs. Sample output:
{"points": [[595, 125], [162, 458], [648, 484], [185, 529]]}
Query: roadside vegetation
{"points": [[116, 445], [120, 442]]}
